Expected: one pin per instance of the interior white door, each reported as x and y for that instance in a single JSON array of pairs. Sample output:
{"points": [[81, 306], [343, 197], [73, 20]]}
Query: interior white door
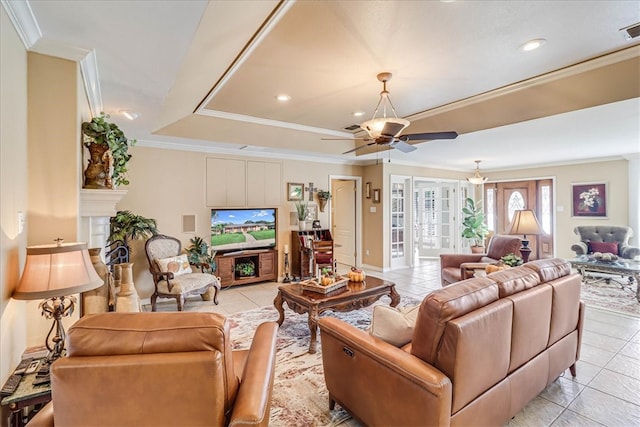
{"points": [[343, 220], [400, 217], [434, 217]]}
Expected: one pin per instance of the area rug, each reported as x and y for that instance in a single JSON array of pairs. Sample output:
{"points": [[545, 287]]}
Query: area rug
{"points": [[300, 397], [612, 296]]}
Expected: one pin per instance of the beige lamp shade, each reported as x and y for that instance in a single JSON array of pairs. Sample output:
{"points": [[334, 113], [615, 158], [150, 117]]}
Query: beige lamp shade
{"points": [[57, 270], [525, 222]]}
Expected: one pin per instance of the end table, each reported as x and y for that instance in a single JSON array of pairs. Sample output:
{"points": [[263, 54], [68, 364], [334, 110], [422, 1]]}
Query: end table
{"points": [[26, 395]]}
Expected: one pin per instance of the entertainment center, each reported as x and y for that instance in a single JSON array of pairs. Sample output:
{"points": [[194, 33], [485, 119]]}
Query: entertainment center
{"points": [[264, 262], [245, 242]]}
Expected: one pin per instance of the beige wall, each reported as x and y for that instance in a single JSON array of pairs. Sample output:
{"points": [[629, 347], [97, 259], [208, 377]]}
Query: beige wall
{"points": [[13, 192], [166, 184]]}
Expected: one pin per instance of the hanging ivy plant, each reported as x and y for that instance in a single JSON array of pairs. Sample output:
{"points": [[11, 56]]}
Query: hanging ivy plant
{"points": [[100, 131]]}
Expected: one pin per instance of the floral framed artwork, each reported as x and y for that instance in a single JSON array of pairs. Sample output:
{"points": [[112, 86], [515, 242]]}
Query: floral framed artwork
{"points": [[295, 191], [589, 200]]}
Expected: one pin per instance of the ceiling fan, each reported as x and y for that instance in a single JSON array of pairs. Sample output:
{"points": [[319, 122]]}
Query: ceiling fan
{"points": [[385, 131]]}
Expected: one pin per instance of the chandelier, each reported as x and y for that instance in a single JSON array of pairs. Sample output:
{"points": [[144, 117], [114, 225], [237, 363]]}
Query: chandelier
{"points": [[376, 124], [476, 178]]}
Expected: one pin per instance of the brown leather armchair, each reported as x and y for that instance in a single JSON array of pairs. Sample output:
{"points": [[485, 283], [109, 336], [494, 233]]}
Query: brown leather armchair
{"points": [[153, 369], [499, 246]]}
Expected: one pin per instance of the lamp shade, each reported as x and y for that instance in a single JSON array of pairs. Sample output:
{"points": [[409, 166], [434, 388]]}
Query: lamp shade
{"points": [[57, 270], [525, 222]]}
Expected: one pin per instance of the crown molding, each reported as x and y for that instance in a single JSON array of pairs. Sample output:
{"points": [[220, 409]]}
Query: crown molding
{"points": [[91, 79], [24, 21]]}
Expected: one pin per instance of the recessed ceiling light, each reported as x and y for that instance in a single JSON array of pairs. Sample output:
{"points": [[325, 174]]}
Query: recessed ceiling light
{"points": [[283, 98], [131, 115], [358, 113], [532, 44]]}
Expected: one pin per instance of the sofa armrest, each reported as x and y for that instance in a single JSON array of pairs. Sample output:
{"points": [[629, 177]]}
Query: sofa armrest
{"points": [[629, 252], [580, 248], [253, 401], [381, 384], [454, 260], [43, 418]]}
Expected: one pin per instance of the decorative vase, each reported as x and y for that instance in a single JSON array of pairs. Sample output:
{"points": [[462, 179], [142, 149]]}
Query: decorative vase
{"points": [[97, 175], [594, 207], [302, 224], [97, 300], [127, 300]]}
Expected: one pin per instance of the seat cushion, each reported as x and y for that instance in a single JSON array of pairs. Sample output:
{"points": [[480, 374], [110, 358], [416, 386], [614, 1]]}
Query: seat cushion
{"points": [[187, 283]]}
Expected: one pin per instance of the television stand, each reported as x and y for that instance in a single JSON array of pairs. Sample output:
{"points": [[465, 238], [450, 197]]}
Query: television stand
{"points": [[264, 261]]}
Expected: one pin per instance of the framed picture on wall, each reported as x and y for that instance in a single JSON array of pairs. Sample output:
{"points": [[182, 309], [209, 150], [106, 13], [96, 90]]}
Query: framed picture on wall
{"points": [[295, 191], [367, 190], [589, 200]]}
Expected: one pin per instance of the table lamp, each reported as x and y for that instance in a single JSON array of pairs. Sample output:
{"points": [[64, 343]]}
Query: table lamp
{"points": [[52, 273], [525, 222]]}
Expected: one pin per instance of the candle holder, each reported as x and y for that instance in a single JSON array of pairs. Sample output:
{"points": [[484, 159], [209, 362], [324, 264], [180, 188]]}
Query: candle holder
{"points": [[286, 278]]}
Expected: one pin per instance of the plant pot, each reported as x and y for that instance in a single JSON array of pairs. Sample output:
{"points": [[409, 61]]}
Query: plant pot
{"points": [[302, 224], [322, 203], [477, 249]]}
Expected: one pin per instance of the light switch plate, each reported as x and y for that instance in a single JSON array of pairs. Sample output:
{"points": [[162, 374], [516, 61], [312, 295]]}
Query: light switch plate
{"points": [[372, 209]]}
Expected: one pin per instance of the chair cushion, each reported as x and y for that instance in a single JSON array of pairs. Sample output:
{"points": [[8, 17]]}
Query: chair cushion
{"points": [[187, 283], [603, 247], [178, 265], [392, 325]]}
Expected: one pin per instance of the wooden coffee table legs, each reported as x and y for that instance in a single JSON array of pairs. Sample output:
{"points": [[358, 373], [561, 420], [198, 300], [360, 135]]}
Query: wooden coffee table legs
{"points": [[315, 306]]}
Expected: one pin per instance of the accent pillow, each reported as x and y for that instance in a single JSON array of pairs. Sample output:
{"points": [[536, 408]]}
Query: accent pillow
{"points": [[178, 265], [604, 247], [392, 325]]}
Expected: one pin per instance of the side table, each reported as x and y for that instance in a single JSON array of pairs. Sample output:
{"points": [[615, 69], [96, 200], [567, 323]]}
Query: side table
{"points": [[26, 395]]}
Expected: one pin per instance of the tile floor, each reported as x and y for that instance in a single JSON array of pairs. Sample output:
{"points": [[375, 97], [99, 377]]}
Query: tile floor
{"points": [[606, 391]]}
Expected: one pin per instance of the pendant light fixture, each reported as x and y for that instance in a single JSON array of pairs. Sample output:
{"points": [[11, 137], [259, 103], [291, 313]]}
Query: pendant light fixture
{"points": [[476, 178], [375, 126]]}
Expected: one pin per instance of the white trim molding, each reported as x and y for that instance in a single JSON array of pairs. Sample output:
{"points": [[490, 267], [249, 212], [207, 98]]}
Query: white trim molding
{"points": [[24, 21]]}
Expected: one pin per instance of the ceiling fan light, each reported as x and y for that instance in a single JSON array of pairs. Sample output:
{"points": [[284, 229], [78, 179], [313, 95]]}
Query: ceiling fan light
{"points": [[374, 126]]}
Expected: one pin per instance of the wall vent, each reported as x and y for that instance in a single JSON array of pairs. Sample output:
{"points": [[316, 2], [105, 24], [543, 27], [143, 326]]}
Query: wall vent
{"points": [[188, 223], [632, 31], [352, 127]]}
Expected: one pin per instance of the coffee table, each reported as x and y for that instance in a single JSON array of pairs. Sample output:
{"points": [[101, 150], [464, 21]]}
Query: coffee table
{"points": [[622, 267], [353, 296]]}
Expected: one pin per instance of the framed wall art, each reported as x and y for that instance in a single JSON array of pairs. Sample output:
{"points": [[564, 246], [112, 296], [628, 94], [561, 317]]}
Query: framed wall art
{"points": [[295, 191], [367, 190], [589, 200]]}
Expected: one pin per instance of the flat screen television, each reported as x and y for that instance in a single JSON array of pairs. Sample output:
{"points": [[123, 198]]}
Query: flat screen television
{"points": [[243, 229]]}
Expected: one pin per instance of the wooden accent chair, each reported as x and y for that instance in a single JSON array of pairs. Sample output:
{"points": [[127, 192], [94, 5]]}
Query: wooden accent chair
{"points": [[173, 276], [323, 255]]}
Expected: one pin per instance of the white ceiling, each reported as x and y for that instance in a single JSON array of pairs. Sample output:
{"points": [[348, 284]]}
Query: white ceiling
{"points": [[162, 58]]}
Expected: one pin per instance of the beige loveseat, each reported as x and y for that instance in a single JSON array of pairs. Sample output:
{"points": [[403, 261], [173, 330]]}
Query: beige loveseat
{"points": [[481, 350]]}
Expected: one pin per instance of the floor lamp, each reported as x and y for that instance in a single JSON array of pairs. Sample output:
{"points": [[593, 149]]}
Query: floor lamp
{"points": [[525, 222], [53, 273]]}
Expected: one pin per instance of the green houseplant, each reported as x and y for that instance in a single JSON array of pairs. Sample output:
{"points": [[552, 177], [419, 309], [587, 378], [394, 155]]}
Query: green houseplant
{"points": [[125, 226], [323, 198], [246, 269], [302, 211], [473, 222], [199, 254], [511, 259], [109, 153]]}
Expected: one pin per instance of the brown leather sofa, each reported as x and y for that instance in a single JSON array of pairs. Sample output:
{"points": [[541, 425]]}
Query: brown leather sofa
{"points": [[499, 246], [481, 350], [159, 369]]}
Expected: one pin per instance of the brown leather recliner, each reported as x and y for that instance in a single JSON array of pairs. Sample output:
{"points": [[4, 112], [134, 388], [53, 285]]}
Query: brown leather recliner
{"points": [[153, 369], [499, 246]]}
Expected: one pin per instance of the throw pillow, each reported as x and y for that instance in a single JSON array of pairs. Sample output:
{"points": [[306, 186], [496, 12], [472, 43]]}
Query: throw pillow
{"points": [[604, 247], [392, 325], [178, 265]]}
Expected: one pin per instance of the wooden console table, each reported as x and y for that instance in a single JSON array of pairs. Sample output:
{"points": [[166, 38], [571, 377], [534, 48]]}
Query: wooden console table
{"points": [[354, 296], [264, 260]]}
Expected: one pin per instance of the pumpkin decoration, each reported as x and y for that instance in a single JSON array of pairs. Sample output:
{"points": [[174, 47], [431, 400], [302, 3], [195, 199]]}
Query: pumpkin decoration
{"points": [[356, 275], [327, 280], [499, 266]]}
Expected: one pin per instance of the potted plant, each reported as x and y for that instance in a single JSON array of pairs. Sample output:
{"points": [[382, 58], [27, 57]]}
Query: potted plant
{"points": [[127, 226], [323, 198], [474, 224], [302, 209], [200, 255], [108, 153]]}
